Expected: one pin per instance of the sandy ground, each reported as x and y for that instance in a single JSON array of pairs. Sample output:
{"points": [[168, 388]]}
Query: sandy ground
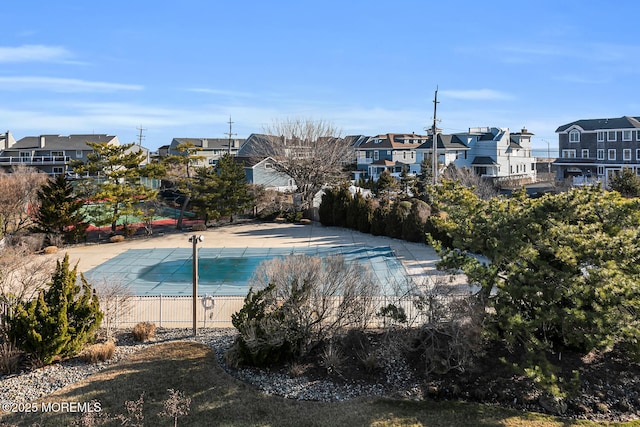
{"points": [[418, 259]]}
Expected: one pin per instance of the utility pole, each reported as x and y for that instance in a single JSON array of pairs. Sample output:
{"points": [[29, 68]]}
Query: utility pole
{"points": [[230, 134], [140, 135], [434, 136]]}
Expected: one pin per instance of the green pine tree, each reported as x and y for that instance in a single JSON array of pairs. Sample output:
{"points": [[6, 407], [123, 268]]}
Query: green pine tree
{"points": [[60, 320], [60, 212]]}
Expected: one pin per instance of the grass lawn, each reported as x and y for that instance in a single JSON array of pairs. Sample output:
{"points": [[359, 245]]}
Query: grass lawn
{"points": [[220, 400]]}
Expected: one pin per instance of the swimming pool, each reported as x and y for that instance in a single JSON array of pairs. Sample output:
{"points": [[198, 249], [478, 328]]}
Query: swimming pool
{"points": [[225, 271]]}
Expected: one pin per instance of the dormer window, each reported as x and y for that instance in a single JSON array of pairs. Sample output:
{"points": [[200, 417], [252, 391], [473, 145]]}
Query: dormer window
{"points": [[574, 136]]}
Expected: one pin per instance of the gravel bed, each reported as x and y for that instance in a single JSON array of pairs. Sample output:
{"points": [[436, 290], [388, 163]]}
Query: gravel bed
{"points": [[32, 385]]}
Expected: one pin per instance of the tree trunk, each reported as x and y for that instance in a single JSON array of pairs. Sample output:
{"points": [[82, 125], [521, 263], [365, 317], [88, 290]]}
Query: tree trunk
{"points": [[182, 209]]}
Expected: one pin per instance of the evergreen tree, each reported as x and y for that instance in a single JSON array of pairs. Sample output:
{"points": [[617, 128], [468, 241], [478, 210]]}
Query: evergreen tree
{"points": [[60, 212], [325, 211], [203, 197], [385, 185], [115, 173], [60, 320], [627, 183], [562, 271], [221, 191], [233, 195], [180, 171]]}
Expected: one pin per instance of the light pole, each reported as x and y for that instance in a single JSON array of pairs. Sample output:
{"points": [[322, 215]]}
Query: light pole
{"points": [[195, 239]]}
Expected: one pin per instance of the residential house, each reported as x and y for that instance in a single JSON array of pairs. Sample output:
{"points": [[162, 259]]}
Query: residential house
{"points": [[51, 154], [391, 152], [209, 150], [262, 172], [6, 140], [449, 149], [497, 154], [594, 150]]}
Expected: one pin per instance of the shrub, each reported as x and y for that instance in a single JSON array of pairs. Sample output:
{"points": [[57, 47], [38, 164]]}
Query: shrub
{"points": [[130, 230], [98, 352], [116, 239], [332, 358], [300, 303], [50, 250], [199, 227], [144, 331], [10, 357], [60, 320]]}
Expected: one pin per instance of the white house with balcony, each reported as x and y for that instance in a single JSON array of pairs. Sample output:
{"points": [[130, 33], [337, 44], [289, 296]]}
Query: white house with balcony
{"points": [[498, 154]]}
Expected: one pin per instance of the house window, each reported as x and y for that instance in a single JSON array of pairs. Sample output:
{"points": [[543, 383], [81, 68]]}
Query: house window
{"points": [[585, 153], [600, 154], [600, 170], [57, 170], [268, 166], [611, 135], [601, 135], [388, 152], [376, 155], [574, 136], [79, 154], [626, 154], [568, 154], [638, 135], [611, 154], [57, 153], [626, 135], [637, 153], [404, 154]]}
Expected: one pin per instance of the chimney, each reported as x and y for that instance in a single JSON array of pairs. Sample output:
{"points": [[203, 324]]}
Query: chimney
{"points": [[42, 141]]}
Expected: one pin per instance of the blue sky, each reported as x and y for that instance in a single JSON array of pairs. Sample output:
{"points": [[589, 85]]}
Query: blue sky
{"points": [[181, 69]]}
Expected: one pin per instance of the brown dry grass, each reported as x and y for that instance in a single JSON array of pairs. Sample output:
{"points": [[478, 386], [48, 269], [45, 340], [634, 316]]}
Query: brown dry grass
{"points": [[98, 352], [217, 399], [144, 331]]}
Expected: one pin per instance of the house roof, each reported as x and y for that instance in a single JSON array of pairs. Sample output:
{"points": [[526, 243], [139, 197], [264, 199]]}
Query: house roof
{"points": [[61, 142], [207, 143], [625, 122], [447, 142], [250, 162], [250, 147], [394, 141], [483, 161], [384, 162]]}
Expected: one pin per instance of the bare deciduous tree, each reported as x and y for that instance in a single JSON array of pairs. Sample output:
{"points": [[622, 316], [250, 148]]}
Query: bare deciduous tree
{"points": [[481, 187], [115, 302], [311, 152], [22, 274], [19, 197]]}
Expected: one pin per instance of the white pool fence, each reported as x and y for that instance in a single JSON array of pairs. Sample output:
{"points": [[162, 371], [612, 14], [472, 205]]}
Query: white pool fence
{"points": [[214, 311]]}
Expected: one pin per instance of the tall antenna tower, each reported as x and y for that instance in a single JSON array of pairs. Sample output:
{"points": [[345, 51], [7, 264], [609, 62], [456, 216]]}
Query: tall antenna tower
{"points": [[141, 137], [230, 134]]}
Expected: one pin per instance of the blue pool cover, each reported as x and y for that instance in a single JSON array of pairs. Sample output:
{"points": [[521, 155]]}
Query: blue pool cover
{"points": [[225, 271]]}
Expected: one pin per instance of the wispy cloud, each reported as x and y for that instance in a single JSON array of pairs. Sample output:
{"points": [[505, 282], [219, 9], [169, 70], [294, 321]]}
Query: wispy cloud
{"points": [[222, 92], [33, 53], [476, 94], [55, 84]]}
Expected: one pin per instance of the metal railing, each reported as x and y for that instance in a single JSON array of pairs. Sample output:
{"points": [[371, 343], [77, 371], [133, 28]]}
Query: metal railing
{"points": [[168, 311], [35, 160]]}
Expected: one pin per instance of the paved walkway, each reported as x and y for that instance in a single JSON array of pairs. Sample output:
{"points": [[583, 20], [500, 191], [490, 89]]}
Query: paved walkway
{"points": [[418, 259]]}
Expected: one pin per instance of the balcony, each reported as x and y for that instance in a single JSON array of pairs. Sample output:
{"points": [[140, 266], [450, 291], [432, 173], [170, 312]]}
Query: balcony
{"points": [[34, 160]]}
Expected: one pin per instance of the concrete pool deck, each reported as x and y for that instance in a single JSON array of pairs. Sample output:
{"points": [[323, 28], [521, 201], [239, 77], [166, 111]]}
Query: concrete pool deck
{"points": [[418, 259]]}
